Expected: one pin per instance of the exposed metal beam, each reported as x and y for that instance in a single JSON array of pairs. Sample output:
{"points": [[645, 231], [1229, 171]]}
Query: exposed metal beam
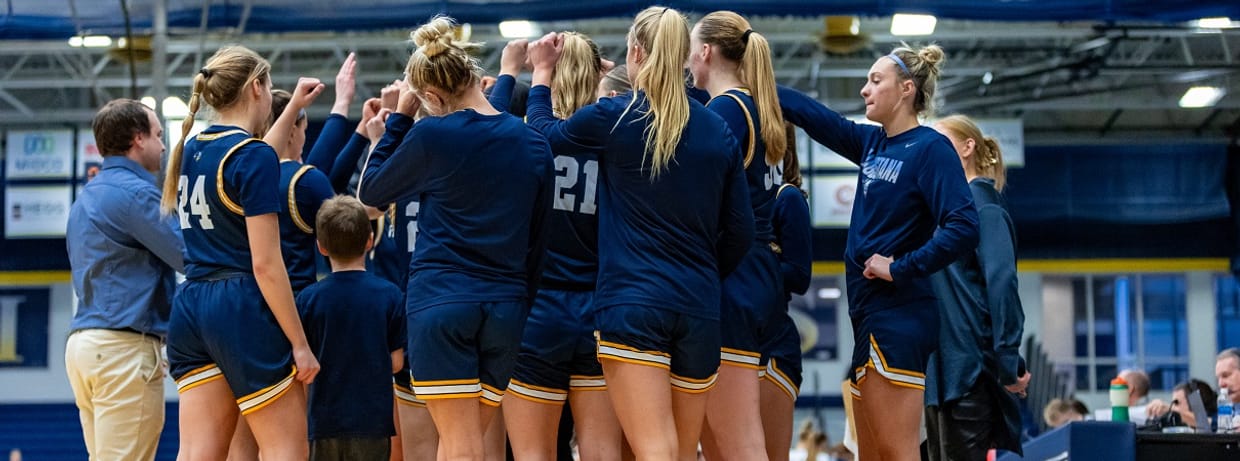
{"points": [[16, 103]]}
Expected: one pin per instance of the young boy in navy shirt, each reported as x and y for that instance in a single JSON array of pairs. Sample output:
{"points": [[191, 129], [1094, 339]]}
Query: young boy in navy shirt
{"points": [[355, 323]]}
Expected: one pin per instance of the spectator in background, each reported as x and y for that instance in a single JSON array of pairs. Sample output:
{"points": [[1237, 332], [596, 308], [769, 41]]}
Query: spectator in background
{"points": [[1180, 405], [1227, 370], [1063, 411], [123, 256]]}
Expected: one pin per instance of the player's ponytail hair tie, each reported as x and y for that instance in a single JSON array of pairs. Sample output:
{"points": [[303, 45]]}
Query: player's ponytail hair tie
{"points": [[745, 36], [206, 73]]}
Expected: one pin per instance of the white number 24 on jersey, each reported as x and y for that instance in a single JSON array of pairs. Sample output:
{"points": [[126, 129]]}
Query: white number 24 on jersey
{"points": [[197, 203]]}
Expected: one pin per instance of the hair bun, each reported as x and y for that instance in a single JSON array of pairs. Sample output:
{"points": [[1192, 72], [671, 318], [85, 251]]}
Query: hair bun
{"points": [[932, 55], [435, 37]]}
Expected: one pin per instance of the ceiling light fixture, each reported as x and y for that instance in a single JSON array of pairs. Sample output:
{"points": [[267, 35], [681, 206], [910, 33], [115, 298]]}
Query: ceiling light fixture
{"points": [[1215, 23], [1201, 96], [913, 24], [90, 41], [519, 29]]}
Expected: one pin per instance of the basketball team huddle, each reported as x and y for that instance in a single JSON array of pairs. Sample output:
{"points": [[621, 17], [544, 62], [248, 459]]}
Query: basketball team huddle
{"points": [[624, 240]]}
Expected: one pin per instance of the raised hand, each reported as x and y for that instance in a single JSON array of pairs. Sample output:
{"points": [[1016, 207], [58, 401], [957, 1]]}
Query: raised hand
{"points": [[308, 89], [514, 57], [377, 125], [545, 52], [409, 103], [391, 94], [346, 85], [370, 108]]}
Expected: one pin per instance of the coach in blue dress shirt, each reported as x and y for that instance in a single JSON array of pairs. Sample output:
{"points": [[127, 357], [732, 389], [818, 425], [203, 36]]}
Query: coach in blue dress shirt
{"points": [[124, 256]]}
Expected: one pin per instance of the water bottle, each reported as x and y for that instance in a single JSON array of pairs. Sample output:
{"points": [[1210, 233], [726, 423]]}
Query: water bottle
{"points": [[1119, 400], [1225, 410]]}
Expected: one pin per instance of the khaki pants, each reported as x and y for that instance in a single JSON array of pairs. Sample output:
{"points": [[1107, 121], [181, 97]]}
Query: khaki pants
{"points": [[118, 383]]}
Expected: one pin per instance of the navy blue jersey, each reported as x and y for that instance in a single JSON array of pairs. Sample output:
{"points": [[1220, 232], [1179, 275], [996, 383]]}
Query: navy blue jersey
{"points": [[912, 204], [793, 234], [483, 184], [213, 212], [353, 336], [663, 242], [572, 230], [763, 179], [303, 189], [394, 242]]}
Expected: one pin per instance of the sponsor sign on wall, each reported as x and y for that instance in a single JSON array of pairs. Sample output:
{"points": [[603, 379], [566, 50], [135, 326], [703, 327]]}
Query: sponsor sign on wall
{"points": [[36, 211], [39, 154]]}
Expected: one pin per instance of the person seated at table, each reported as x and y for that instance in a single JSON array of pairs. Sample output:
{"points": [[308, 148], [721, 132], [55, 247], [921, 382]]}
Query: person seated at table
{"points": [[1179, 403], [1063, 411]]}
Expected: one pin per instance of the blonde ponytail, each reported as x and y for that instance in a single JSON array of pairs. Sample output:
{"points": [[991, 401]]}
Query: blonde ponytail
{"points": [[577, 75], [663, 33], [736, 41], [757, 73], [172, 176], [220, 83], [990, 164]]}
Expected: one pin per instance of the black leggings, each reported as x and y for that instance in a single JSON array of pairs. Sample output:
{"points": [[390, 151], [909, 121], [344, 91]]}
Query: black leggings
{"points": [[964, 429]]}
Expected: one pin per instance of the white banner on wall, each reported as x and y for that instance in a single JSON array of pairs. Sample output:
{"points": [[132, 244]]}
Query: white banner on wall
{"points": [[39, 154], [89, 161], [831, 199], [36, 211]]}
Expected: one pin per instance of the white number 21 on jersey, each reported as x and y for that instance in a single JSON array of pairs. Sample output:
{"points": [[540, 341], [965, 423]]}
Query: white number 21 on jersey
{"points": [[568, 173], [197, 203]]}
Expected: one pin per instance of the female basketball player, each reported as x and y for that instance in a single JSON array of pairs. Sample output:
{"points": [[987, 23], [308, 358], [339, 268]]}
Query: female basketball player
{"points": [[557, 362], [483, 181], [733, 64], [303, 188], [234, 318], [781, 380], [912, 216], [674, 217]]}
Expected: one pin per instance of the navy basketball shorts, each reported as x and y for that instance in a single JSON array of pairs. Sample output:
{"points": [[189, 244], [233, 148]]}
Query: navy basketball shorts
{"points": [[558, 349], [686, 346], [402, 386], [465, 350], [751, 299], [783, 352], [895, 344], [224, 329]]}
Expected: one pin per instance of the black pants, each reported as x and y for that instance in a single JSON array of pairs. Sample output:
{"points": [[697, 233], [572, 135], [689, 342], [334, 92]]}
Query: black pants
{"points": [[351, 449], [965, 429]]}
